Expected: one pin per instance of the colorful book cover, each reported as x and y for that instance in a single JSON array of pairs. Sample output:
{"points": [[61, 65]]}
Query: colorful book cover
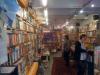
{"points": [[9, 40]]}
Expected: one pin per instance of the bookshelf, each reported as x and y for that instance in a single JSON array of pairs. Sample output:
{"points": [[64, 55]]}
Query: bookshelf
{"points": [[52, 40], [90, 30], [21, 42]]}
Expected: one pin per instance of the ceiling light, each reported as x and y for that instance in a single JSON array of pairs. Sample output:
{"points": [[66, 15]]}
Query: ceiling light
{"points": [[46, 16], [92, 5], [47, 21], [67, 23], [44, 3], [81, 11], [46, 13]]}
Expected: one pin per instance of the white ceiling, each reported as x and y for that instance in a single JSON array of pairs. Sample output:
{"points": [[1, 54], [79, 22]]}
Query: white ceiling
{"points": [[69, 7], [65, 9], [65, 3]]}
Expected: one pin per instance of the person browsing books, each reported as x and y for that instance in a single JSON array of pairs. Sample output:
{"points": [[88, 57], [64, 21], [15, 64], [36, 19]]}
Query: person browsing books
{"points": [[80, 55]]}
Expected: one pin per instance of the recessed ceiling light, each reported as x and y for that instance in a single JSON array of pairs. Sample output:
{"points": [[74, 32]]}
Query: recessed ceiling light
{"points": [[92, 5], [46, 13], [44, 3], [81, 11]]}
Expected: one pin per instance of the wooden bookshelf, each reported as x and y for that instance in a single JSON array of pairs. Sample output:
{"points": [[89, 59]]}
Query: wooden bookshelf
{"points": [[90, 30], [22, 39], [21, 43]]}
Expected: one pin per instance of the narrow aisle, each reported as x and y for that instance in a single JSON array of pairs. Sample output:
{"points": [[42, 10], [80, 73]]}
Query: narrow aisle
{"points": [[49, 69], [59, 66]]}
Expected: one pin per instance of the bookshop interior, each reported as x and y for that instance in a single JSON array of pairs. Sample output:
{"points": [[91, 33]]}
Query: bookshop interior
{"points": [[49, 37]]}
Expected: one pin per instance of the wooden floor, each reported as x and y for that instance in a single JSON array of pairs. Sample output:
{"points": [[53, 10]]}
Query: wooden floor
{"points": [[59, 67]]}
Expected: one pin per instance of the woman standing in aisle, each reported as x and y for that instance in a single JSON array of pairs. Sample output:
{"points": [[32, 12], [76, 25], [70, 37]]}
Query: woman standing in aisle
{"points": [[80, 55], [66, 48]]}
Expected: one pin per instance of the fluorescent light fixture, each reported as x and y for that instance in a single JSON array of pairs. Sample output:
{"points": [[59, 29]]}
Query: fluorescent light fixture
{"points": [[44, 3], [46, 13], [92, 5], [47, 21], [81, 11]]}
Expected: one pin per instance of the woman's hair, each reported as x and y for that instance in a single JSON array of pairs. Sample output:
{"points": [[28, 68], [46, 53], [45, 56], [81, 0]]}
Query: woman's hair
{"points": [[67, 37], [82, 36]]}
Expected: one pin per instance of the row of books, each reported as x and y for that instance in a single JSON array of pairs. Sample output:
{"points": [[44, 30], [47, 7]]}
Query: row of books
{"points": [[20, 41], [15, 53], [21, 24], [18, 38]]}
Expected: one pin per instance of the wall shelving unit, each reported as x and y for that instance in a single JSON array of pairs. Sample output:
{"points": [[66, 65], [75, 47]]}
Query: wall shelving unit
{"points": [[21, 42]]}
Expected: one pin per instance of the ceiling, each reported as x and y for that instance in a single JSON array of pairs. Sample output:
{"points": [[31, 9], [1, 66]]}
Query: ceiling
{"points": [[61, 10]]}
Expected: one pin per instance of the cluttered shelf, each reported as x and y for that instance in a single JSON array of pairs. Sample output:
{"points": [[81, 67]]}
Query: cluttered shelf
{"points": [[20, 40]]}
